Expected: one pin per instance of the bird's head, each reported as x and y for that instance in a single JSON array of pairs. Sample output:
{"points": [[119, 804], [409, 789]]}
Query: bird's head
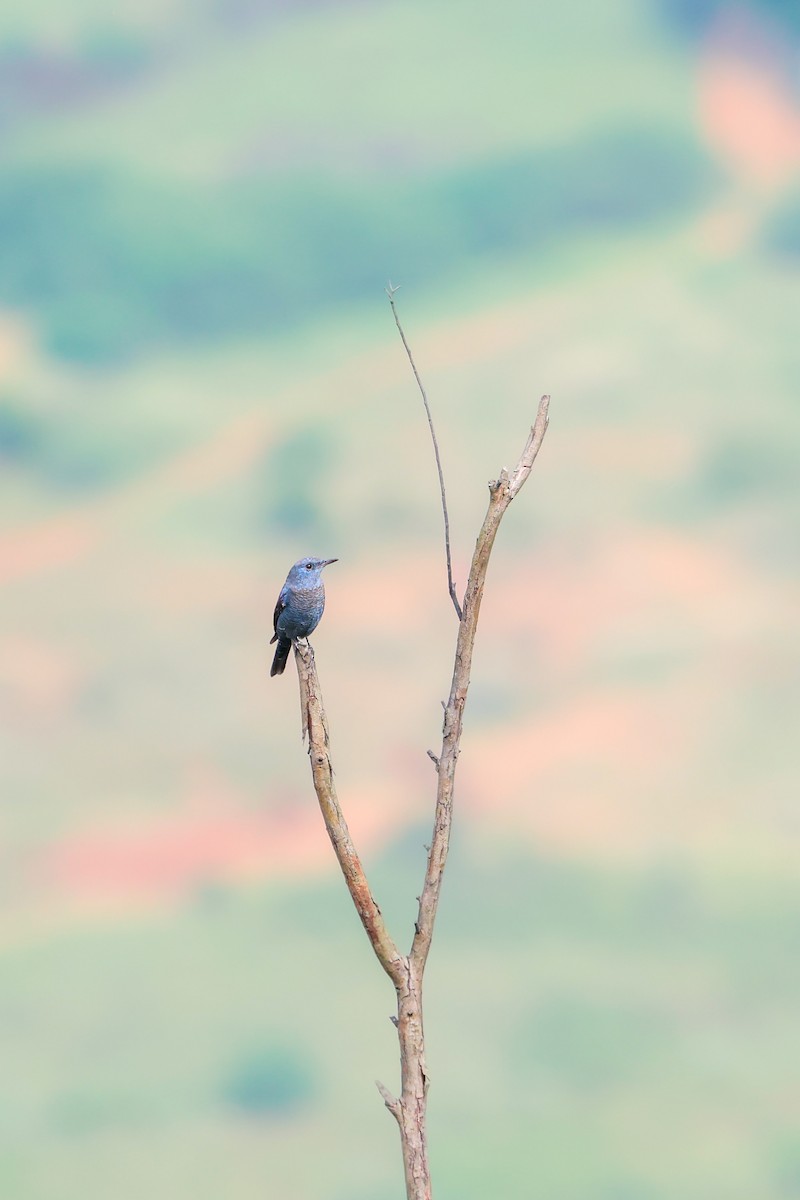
{"points": [[306, 571]]}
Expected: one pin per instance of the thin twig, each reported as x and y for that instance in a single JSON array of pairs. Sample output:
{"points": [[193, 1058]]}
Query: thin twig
{"points": [[389, 1100], [451, 587]]}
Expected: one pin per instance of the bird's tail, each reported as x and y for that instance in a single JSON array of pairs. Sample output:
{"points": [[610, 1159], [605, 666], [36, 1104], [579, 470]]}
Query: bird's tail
{"points": [[281, 655]]}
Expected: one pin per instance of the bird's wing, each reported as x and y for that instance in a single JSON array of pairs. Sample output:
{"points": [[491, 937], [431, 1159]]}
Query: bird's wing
{"points": [[279, 607]]}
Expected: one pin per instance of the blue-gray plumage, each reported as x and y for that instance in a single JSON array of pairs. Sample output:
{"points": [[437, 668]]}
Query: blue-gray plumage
{"points": [[299, 608]]}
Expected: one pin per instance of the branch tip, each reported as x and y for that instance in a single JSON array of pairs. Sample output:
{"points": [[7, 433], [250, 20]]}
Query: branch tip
{"points": [[389, 1100]]}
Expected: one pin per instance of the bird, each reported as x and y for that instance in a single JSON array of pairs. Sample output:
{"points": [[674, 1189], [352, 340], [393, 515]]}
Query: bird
{"points": [[300, 606]]}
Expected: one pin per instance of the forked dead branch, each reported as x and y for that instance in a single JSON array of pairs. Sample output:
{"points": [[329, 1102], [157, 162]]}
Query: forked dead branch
{"points": [[406, 970]]}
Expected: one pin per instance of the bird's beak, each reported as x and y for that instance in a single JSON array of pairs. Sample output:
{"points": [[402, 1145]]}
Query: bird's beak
{"points": [[326, 562]]}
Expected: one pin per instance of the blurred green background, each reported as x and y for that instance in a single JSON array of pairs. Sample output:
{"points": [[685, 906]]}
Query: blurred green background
{"points": [[200, 380]]}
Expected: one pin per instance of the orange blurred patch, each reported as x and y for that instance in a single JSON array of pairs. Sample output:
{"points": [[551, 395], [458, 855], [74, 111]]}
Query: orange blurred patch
{"points": [[36, 677], [54, 543], [655, 453], [750, 121], [380, 596], [747, 106], [13, 343], [648, 580], [215, 836], [207, 585], [550, 775]]}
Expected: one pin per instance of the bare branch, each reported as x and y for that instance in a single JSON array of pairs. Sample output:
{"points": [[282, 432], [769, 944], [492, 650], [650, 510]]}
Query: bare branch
{"points": [[316, 725], [406, 972], [451, 587], [501, 492]]}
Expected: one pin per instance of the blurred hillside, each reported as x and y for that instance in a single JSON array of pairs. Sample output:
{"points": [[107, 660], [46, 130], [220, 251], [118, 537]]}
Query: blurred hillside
{"points": [[200, 381]]}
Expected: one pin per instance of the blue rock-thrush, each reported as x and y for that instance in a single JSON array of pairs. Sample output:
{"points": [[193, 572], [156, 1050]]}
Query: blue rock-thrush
{"points": [[299, 608]]}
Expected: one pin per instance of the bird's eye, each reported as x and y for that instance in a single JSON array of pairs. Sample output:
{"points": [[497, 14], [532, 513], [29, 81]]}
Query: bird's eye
{"points": [[309, 566]]}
